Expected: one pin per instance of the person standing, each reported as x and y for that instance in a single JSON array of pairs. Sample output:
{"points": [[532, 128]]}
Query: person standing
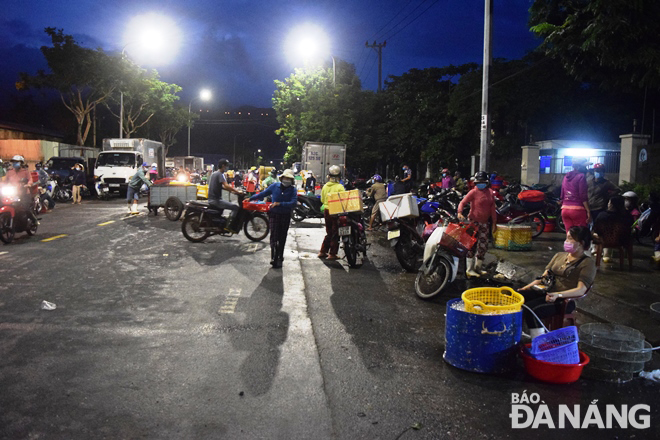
{"points": [[79, 181], [379, 193], [310, 183], [575, 209], [599, 190], [482, 209], [330, 245], [285, 197], [407, 178], [459, 182], [447, 181], [134, 185]]}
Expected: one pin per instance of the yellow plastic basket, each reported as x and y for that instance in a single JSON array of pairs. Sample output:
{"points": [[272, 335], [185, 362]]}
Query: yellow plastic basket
{"points": [[513, 237], [492, 300]]}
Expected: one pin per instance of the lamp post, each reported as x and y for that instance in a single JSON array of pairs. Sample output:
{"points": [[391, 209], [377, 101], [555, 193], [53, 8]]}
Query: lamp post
{"points": [[204, 95], [234, 160]]}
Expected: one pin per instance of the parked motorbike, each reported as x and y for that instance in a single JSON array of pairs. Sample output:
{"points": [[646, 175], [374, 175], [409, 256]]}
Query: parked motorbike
{"points": [[512, 212], [443, 250], [353, 236], [308, 207], [14, 217], [62, 189], [202, 220], [102, 188], [405, 236]]}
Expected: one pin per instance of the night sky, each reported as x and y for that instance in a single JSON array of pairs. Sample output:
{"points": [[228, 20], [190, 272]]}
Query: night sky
{"points": [[236, 47]]}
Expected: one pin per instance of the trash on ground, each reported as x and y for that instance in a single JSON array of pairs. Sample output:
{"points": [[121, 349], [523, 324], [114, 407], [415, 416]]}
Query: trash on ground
{"points": [[45, 305], [506, 268]]}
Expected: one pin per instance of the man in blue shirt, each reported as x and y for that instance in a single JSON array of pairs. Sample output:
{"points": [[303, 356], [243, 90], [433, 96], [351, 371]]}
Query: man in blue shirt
{"points": [[217, 183], [285, 198]]}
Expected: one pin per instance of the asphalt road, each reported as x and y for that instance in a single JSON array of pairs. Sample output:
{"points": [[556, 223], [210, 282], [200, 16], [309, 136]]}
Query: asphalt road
{"points": [[157, 337]]}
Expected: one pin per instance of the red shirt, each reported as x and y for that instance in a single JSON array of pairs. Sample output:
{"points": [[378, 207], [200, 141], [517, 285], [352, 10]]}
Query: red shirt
{"points": [[482, 205], [15, 177]]}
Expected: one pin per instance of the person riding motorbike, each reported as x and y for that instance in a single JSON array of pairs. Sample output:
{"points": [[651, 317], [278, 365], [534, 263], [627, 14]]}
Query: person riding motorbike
{"points": [[19, 176], [310, 183], [482, 208], [46, 199], [447, 181], [330, 245], [379, 192], [217, 183], [272, 178]]}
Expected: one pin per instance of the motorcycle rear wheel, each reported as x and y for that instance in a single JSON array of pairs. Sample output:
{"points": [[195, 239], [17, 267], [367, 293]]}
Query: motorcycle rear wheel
{"points": [[6, 231], [405, 253], [257, 227], [190, 228], [428, 286], [537, 223], [31, 225], [298, 215], [351, 251]]}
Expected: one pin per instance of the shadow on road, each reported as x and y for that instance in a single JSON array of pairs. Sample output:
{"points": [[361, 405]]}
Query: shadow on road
{"points": [[267, 330]]}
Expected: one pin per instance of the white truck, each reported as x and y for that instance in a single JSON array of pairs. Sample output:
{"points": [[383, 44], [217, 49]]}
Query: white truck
{"points": [[317, 157], [190, 162], [121, 158]]}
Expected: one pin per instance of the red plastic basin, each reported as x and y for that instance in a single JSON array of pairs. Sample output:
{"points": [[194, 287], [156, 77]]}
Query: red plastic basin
{"points": [[551, 372]]}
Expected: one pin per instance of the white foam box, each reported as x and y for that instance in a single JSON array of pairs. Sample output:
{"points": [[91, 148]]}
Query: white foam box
{"points": [[399, 206]]}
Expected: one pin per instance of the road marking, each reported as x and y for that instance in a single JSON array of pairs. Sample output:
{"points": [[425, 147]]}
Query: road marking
{"points": [[230, 302], [5, 252], [106, 223], [54, 238]]}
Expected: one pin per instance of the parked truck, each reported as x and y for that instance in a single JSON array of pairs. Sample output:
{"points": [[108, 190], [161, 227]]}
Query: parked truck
{"points": [[190, 162], [318, 157], [121, 158]]}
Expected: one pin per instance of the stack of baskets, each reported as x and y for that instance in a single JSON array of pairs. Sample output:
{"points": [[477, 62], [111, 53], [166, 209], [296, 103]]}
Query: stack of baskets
{"points": [[617, 352], [513, 237], [555, 357]]}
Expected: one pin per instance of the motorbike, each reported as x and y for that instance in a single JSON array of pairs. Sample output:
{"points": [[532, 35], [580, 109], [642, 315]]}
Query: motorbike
{"points": [[512, 212], [202, 220], [308, 207], [61, 191], [14, 217], [353, 236], [406, 237], [443, 250], [102, 188]]}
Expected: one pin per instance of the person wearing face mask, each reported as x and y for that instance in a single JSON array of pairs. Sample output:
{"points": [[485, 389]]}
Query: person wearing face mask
{"points": [[285, 197], [78, 183], [575, 209], [599, 190], [16, 173], [133, 190], [631, 203], [407, 178], [574, 273], [482, 209], [447, 181]]}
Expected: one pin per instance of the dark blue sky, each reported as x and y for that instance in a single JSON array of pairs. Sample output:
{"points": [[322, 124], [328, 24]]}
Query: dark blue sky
{"points": [[236, 47]]}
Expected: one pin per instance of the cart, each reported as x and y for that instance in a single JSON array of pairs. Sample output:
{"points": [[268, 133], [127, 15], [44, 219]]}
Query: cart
{"points": [[171, 196]]}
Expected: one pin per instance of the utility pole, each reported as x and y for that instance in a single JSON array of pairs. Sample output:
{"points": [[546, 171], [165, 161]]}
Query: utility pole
{"points": [[485, 117], [378, 47]]}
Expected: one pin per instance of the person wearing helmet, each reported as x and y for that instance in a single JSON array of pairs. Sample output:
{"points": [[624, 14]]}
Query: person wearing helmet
{"points": [[631, 203], [330, 245], [153, 172], [17, 172], [272, 178], [599, 190], [482, 209], [251, 181], [285, 197], [217, 183], [575, 210], [459, 182], [379, 192], [310, 183], [134, 185], [447, 181]]}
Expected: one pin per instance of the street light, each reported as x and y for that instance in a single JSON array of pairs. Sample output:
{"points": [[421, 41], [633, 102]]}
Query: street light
{"points": [[312, 44], [204, 95], [157, 39]]}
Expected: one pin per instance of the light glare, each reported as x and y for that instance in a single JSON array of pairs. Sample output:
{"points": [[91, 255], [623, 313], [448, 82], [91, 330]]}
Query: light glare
{"points": [[152, 39]]}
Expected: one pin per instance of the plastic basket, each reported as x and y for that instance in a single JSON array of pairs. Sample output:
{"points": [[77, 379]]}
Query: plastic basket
{"points": [[459, 237], [553, 372], [558, 346], [513, 237], [492, 300], [256, 206]]}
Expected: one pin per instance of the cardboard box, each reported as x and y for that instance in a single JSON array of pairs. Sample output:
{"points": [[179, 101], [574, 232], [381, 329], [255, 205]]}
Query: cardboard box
{"points": [[345, 201], [399, 206]]}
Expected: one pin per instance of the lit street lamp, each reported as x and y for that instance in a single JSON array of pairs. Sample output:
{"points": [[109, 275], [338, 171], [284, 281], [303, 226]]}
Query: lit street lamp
{"points": [[310, 43], [204, 95]]}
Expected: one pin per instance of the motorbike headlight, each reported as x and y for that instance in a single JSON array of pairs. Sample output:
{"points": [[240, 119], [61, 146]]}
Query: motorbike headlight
{"points": [[9, 191]]}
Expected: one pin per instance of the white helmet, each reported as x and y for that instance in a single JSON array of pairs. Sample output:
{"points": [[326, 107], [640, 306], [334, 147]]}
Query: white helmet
{"points": [[154, 165], [18, 158], [630, 195], [334, 171]]}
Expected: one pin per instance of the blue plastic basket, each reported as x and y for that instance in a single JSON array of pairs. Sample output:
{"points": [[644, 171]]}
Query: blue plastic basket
{"points": [[558, 346]]}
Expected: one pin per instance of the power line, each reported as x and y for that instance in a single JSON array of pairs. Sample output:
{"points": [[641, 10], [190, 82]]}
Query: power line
{"points": [[413, 20], [391, 19], [403, 19]]}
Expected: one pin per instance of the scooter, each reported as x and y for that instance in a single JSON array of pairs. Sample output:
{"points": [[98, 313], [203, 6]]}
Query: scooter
{"points": [[352, 233], [14, 217], [442, 253], [102, 188], [308, 207], [202, 220]]}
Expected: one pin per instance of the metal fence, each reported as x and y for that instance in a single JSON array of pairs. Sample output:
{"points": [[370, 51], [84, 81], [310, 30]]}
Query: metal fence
{"points": [[562, 165]]}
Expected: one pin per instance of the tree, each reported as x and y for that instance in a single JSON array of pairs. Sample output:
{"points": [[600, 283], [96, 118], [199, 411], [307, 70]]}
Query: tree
{"points": [[83, 77], [309, 108], [144, 95], [167, 122], [613, 43]]}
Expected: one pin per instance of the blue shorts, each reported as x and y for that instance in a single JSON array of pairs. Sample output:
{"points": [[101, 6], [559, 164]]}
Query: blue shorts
{"points": [[132, 194]]}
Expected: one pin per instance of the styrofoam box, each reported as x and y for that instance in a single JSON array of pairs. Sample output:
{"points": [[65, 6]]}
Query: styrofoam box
{"points": [[399, 206]]}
